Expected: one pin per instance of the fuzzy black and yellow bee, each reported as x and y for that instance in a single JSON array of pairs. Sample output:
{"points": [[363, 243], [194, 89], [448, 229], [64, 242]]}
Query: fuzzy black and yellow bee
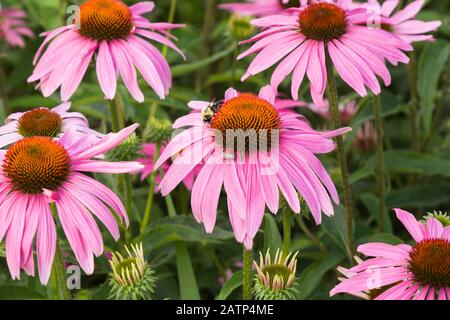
{"points": [[209, 112]]}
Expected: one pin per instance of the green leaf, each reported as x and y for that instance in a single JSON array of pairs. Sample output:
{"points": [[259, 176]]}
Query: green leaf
{"points": [[431, 65], [181, 228], [18, 292], [272, 236], [186, 275], [385, 238], [232, 284], [403, 161], [422, 196], [372, 204], [194, 66], [336, 227], [312, 275]]}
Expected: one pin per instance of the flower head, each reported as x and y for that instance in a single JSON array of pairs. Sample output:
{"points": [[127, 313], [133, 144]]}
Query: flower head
{"points": [[38, 171], [403, 23], [13, 27], [440, 216], [131, 277], [303, 40], [45, 122], [255, 149], [275, 279], [366, 138], [262, 8], [404, 272], [116, 33]]}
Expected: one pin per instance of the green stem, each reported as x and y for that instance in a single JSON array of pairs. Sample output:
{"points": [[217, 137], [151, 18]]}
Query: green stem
{"points": [[380, 159], [151, 192], [171, 18], [59, 279], [287, 216], [412, 77], [172, 11], [334, 106], [117, 111], [247, 275]]}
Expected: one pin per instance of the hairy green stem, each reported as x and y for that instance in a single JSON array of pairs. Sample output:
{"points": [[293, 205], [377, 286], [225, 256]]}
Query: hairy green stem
{"points": [[380, 160], [151, 192], [117, 111], [412, 78], [287, 217], [247, 274], [171, 18], [334, 106]]}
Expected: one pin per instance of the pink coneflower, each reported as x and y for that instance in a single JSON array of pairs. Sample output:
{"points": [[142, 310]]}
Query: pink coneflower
{"points": [[262, 8], [46, 123], [115, 32], [404, 272], [346, 111], [303, 40], [254, 149], [38, 171], [366, 138], [402, 23], [13, 27], [148, 151]]}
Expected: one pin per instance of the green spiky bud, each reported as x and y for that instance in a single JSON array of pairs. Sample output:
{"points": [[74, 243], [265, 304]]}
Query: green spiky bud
{"points": [[276, 280], [128, 150], [131, 277], [440, 216], [158, 131], [240, 26]]}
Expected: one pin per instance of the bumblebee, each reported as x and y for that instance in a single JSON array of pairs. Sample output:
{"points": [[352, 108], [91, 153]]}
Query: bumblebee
{"points": [[209, 112]]}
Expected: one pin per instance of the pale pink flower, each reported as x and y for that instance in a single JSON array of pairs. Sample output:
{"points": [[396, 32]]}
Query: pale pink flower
{"points": [[403, 23], [404, 272], [261, 8], [252, 177], [38, 171], [114, 33], [346, 111], [47, 123], [148, 151], [13, 27], [302, 40], [365, 138]]}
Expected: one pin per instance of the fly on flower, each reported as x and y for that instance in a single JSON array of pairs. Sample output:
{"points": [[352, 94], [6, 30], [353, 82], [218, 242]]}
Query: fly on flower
{"points": [[254, 171], [117, 35]]}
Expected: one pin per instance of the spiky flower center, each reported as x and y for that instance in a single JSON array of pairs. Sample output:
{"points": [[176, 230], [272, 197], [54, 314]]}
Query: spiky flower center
{"points": [[36, 163], [246, 115], [323, 22], [290, 4], [105, 19], [40, 122], [430, 262], [278, 270]]}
